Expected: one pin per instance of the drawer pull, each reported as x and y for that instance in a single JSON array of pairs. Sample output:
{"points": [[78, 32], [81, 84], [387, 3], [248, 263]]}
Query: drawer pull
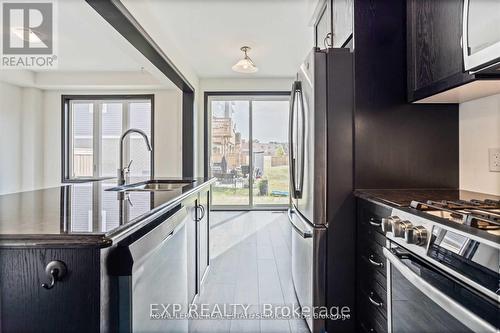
{"points": [[375, 222], [372, 261], [377, 304]]}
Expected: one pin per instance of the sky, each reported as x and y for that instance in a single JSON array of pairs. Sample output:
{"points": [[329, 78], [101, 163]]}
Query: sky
{"points": [[270, 120]]}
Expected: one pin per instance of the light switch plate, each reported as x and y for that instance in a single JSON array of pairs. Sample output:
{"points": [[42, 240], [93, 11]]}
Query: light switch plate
{"points": [[494, 158]]}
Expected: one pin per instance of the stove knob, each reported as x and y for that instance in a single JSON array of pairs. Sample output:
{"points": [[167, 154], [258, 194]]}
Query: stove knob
{"points": [[387, 223], [399, 227], [416, 235]]}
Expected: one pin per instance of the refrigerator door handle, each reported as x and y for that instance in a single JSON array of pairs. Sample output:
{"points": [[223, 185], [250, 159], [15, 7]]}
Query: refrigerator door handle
{"points": [[293, 184], [297, 229], [296, 190], [303, 141]]}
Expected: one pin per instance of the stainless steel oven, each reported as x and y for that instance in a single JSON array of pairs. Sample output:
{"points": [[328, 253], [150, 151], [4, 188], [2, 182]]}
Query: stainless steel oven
{"points": [[425, 298], [481, 36]]}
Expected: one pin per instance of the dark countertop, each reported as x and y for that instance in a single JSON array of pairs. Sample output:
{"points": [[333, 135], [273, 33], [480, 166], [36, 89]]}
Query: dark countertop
{"points": [[403, 197], [83, 214]]}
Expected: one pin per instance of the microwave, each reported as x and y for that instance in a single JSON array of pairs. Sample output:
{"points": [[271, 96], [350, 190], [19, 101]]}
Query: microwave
{"points": [[481, 36]]}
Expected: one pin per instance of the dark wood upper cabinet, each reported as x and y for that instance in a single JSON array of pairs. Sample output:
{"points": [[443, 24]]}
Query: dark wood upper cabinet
{"points": [[434, 50]]}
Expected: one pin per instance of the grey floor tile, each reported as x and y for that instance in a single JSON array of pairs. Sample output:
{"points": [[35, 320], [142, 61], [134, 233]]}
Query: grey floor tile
{"points": [[250, 264]]}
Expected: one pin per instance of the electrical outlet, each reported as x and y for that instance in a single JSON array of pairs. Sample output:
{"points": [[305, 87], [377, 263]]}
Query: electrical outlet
{"points": [[494, 159]]}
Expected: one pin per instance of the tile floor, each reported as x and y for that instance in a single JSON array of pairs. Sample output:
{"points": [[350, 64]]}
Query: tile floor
{"points": [[250, 264]]}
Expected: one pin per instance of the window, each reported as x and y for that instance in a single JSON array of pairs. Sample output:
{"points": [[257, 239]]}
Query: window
{"points": [[92, 127]]}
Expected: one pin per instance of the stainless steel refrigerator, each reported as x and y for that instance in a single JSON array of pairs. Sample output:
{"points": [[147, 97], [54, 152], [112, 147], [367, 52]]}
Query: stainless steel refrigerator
{"points": [[321, 182]]}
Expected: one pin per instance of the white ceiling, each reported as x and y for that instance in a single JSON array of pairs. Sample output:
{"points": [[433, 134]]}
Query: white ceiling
{"points": [[205, 35], [90, 50], [85, 41]]}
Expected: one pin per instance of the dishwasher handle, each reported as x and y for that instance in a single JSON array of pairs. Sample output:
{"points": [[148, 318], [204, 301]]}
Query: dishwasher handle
{"points": [[296, 228]]}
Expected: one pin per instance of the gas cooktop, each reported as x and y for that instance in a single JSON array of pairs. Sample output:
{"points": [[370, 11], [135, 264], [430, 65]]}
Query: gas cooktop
{"points": [[482, 214], [469, 211]]}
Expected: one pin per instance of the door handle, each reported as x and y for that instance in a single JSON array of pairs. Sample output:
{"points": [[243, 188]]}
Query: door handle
{"points": [[296, 190], [202, 213], [302, 233], [303, 139], [293, 184]]}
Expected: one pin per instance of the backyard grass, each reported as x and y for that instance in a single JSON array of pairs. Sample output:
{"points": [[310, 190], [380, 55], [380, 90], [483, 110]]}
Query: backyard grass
{"points": [[278, 181]]}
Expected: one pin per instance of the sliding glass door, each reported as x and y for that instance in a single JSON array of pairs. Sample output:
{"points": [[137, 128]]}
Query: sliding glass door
{"points": [[229, 157], [248, 151], [270, 152]]}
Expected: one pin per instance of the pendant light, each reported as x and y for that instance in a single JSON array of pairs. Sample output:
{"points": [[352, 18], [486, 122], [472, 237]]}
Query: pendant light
{"points": [[246, 64]]}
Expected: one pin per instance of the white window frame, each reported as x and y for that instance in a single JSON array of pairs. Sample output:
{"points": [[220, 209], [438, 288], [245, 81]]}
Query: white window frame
{"points": [[67, 132]]}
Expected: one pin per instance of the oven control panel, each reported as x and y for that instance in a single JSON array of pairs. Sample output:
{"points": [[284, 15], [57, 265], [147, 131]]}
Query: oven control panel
{"points": [[398, 227], [408, 230]]}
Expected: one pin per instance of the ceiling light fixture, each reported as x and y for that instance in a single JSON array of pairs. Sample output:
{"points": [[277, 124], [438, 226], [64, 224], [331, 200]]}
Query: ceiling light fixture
{"points": [[246, 64]]}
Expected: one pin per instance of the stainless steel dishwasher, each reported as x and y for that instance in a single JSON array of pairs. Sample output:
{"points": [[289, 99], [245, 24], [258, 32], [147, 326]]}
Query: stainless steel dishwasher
{"points": [[158, 282]]}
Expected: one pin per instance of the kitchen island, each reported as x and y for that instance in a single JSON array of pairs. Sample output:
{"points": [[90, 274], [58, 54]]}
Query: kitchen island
{"points": [[70, 256]]}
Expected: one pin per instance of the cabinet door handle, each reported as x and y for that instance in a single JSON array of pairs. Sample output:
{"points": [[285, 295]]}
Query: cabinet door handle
{"points": [[372, 261], [375, 222], [374, 302], [202, 212]]}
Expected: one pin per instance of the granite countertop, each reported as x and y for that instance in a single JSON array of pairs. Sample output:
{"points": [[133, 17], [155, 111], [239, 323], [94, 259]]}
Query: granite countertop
{"points": [[84, 214], [403, 197]]}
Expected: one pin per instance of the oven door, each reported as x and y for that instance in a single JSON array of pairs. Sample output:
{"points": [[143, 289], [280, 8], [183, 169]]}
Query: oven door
{"points": [[424, 299]]}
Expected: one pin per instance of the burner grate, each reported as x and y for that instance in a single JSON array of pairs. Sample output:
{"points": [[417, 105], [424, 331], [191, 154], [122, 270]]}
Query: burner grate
{"points": [[481, 214]]}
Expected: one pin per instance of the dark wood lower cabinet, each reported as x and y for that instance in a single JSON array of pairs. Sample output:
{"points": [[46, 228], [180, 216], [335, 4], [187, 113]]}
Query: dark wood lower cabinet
{"points": [[371, 286], [72, 305]]}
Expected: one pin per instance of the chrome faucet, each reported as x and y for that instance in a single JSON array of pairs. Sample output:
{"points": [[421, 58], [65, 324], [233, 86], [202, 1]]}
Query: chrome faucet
{"points": [[123, 171]]}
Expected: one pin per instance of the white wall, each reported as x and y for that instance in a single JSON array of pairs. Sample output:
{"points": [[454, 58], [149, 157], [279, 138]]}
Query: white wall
{"points": [[30, 135], [222, 84], [479, 129], [168, 133], [10, 138], [21, 138]]}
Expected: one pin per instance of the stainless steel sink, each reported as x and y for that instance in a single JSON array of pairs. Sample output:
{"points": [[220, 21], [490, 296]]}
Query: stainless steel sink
{"points": [[154, 185]]}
